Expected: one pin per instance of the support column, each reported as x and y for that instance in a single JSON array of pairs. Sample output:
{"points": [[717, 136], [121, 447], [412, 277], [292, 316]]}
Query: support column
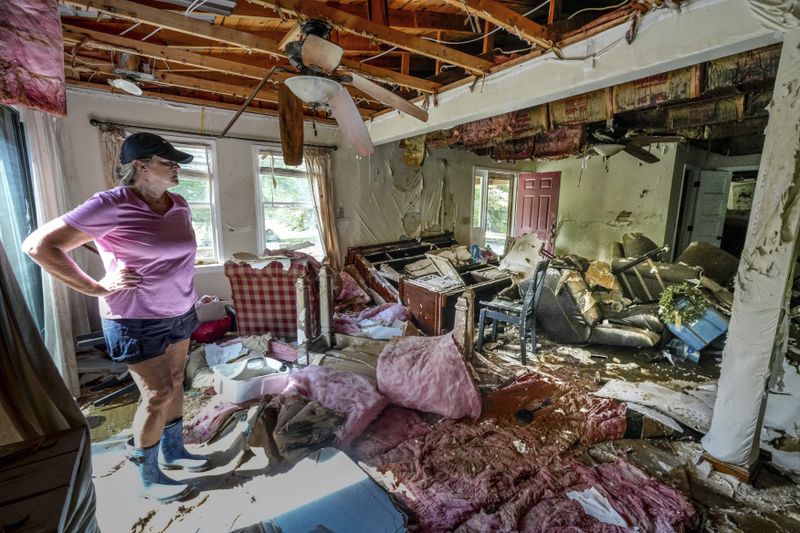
{"points": [[464, 324], [325, 306], [764, 275], [302, 311]]}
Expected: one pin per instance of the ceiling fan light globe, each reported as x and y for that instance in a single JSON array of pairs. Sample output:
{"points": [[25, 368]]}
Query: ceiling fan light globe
{"points": [[607, 150], [313, 89], [126, 85]]}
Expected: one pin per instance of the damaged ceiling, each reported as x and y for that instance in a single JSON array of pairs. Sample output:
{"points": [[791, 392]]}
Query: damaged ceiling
{"points": [[213, 52]]}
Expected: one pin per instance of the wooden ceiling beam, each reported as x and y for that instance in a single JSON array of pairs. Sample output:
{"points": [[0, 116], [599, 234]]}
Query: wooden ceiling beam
{"points": [[400, 19], [199, 28], [357, 25], [104, 41], [506, 18], [153, 95]]}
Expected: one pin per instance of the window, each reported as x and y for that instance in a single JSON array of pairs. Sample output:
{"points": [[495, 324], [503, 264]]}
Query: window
{"points": [[492, 206], [287, 217], [17, 212], [198, 186]]}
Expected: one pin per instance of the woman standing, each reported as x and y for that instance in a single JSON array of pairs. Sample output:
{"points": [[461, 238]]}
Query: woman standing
{"points": [[145, 238]]}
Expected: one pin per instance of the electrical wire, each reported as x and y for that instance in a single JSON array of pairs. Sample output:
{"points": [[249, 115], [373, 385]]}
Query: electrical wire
{"points": [[607, 8], [488, 34], [392, 49]]}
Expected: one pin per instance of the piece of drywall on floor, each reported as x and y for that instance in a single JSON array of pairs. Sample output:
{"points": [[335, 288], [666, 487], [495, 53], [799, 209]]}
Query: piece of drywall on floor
{"points": [[600, 203], [386, 200]]}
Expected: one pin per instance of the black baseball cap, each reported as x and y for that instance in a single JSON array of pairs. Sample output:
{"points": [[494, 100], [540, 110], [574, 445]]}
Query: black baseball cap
{"points": [[143, 144]]}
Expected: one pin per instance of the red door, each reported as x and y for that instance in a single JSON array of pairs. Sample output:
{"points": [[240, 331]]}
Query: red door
{"points": [[537, 205]]}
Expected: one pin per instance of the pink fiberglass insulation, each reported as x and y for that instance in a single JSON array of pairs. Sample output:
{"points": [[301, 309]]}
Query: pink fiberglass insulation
{"points": [[350, 290], [541, 504], [386, 313], [352, 394], [346, 324], [31, 56], [461, 468], [393, 426], [428, 374], [210, 419]]}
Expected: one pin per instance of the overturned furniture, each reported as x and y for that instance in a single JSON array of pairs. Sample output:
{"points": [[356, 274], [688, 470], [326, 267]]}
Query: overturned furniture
{"points": [[569, 313], [380, 265], [432, 298]]}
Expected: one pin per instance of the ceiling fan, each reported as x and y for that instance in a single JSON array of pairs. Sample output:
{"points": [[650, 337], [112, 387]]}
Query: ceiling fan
{"points": [[319, 85], [610, 141]]}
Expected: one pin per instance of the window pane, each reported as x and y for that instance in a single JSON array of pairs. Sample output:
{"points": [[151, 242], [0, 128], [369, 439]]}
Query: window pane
{"points": [[200, 164], [201, 222], [498, 207], [291, 225], [268, 160], [285, 189], [193, 190], [477, 187]]}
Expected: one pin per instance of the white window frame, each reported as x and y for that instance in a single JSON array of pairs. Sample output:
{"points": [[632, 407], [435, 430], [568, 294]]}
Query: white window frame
{"points": [[277, 150], [216, 215], [478, 231]]}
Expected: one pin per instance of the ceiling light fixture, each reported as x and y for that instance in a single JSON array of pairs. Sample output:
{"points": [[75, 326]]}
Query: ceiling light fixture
{"points": [[126, 85], [313, 89]]}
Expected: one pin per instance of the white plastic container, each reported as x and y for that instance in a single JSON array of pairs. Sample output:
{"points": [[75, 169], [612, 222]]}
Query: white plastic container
{"points": [[253, 378]]}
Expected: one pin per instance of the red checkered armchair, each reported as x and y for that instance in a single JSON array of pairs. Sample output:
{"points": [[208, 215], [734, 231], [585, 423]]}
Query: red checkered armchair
{"points": [[265, 299]]}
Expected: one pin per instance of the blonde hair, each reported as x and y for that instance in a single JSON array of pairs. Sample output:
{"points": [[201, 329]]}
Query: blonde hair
{"points": [[126, 172]]}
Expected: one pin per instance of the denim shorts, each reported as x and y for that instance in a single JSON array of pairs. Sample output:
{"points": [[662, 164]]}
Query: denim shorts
{"points": [[133, 340]]}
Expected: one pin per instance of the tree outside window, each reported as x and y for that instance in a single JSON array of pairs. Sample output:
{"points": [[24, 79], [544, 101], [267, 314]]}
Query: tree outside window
{"points": [[287, 205]]}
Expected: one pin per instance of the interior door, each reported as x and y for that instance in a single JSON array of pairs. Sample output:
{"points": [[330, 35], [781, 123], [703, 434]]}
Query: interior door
{"points": [[537, 205], [710, 206]]}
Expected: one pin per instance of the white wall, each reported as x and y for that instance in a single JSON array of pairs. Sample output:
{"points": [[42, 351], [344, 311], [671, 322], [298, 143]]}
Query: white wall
{"points": [[594, 202]]}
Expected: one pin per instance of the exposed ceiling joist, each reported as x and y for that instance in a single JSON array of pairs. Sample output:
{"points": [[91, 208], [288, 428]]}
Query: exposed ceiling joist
{"points": [[164, 19], [104, 87], [507, 18], [400, 19], [362, 26]]}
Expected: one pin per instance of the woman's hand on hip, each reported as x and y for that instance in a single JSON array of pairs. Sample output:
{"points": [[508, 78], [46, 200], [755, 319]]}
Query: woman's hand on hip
{"points": [[119, 280]]}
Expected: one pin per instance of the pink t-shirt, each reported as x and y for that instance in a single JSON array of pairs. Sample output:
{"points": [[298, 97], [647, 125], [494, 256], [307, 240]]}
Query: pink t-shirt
{"points": [[161, 248]]}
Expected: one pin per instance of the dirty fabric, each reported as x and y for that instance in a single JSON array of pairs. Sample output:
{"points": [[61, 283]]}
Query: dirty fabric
{"points": [[386, 313], [290, 428], [352, 394], [31, 56], [429, 374], [449, 474], [393, 426]]}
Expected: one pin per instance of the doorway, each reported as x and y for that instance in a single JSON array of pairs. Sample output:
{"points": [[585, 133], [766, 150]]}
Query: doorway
{"points": [[492, 208]]}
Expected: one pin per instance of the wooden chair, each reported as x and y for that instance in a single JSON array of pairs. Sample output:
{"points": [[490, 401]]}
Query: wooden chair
{"points": [[521, 314]]}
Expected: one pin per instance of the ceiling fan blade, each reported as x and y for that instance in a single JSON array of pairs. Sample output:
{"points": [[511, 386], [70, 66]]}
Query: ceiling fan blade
{"points": [[388, 97], [346, 113], [317, 52], [290, 118], [644, 140], [641, 153]]}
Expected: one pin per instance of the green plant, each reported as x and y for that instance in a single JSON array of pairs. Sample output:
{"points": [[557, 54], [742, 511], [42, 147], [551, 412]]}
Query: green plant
{"points": [[682, 303]]}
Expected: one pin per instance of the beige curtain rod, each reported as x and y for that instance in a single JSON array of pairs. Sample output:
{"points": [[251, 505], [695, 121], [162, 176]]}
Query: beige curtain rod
{"points": [[97, 123]]}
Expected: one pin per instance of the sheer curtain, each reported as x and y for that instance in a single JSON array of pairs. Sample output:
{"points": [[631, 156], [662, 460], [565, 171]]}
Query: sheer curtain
{"points": [[318, 164], [111, 138], [65, 313]]}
